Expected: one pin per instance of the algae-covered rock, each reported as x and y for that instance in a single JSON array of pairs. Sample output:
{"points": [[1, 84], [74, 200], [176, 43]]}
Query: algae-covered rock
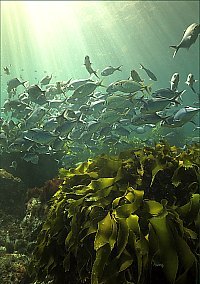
{"points": [[12, 194], [13, 268]]}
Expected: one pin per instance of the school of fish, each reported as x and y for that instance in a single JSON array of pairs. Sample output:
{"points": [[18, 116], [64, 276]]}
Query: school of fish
{"points": [[80, 117]]}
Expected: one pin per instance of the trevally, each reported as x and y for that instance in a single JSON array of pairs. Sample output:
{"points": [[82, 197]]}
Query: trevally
{"points": [[189, 37], [34, 117], [174, 81], [126, 86], [14, 83], [110, 70], [88, 66], [181, 117], [190, 81], [166, 93], [73, 85], [135, 76], [158, 104], [46, 80], [86, 89], [31, 157], [149, 73], [146, 119], [39, 136]]}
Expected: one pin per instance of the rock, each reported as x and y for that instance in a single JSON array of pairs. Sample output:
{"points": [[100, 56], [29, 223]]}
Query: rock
{"points": [[12, 194]]}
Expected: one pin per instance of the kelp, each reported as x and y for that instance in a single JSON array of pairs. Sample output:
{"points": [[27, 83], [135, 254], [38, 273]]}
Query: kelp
{"points": [[117, 219]]}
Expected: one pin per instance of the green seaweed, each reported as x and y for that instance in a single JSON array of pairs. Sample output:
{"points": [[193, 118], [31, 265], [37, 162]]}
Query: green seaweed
{"points": [[116, 219]]}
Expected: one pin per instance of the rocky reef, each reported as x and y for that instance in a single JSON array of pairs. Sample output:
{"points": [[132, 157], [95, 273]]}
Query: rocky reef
{"points": [[132, 218], [22, 213], [12, 194]]}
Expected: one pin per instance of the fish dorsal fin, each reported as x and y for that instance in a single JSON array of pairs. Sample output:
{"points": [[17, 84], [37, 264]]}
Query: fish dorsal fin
{"points": [[186, 108]]}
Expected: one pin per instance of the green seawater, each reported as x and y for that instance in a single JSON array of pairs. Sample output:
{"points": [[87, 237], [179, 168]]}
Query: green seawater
{"points": [[53, 37]]}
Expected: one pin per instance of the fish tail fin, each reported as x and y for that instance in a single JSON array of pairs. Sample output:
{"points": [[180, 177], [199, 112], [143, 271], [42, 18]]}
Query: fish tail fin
{"points": [[23, 83], [95, 73], [118, 68], [179, 95], [176, 49], [142, 100], [148, 89], [100, 84], [165, 120]]}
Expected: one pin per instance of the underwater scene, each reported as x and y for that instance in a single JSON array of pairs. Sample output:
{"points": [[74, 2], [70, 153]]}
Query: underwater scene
{"points": [[99, 142]]}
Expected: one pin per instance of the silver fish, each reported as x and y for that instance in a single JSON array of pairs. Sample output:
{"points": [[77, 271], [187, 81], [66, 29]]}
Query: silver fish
{"points": [[31, 157], [55, 103], [190, 81], [6, 70], [14, 83], [135, 76], [174, 81], [50, 125], [20, 145], [46, 80], [112, 88], [146, 119], [144, 128], [127, 86], [86, 89], [110, 70], [3, 139], [97, 105], [121, 131], [149, 73], [65, 128], [35, 91], [93, 126], [186, 114], [88, 66], [73, 85], [35, 117], [85, 109], [42, 149], [118, 101], [196, 139], [39, 136], [181, 117], [13, 165], [165, 93], [39, 100], [158, 104], [58, 144], [110, 116], [189, 37]]}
